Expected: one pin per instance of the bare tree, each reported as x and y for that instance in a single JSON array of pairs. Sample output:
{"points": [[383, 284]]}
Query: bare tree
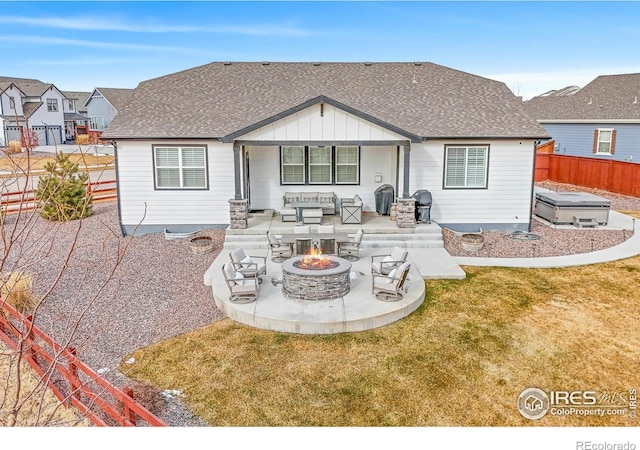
{"points": [[43, 263]]}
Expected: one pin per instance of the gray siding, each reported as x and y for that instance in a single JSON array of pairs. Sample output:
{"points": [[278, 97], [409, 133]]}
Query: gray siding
{"points": [[100, 107], [576, 139]]}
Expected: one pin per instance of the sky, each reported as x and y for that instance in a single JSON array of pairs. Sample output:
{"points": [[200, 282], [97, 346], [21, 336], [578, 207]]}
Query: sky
{"points": [[531, 46]]}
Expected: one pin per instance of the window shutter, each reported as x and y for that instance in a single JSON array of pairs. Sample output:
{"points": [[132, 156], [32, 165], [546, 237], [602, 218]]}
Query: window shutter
{"points": [[595, 141], [613, 141]]}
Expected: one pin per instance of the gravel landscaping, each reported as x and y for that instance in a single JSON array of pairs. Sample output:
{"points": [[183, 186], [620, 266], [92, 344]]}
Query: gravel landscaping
{"points": [[552, 242], [156, 290]]}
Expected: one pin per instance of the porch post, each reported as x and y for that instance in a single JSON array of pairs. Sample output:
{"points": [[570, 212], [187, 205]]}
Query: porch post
{"points": [[405, 176], [236, 171]]}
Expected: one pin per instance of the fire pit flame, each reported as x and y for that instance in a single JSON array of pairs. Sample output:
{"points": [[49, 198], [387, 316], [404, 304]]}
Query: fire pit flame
{"points": [[315, 260]]}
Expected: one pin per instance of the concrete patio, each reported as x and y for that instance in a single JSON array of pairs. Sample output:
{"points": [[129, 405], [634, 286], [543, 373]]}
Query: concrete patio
{"points": [[358, 310]]}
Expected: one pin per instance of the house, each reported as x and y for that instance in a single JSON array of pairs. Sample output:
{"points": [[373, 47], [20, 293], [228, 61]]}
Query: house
{"points": [[601, 120], [76, 119], [102, 105], [42, 106], [189, 142]]}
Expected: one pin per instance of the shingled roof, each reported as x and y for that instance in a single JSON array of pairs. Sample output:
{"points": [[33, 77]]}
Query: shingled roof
{"points": [[30, 87], [118, 97], [608, 97], [79, 96], [423, 99]]}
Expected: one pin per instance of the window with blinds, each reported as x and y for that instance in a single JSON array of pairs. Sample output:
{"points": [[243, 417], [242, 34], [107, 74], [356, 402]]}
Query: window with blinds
{"points": [[466, 167], [320, 164], [292, 165], [180, 167]]}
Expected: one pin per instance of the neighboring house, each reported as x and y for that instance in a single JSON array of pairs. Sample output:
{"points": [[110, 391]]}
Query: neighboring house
{"points": [[103, 105], [189, 142], [40, 105], [601, 120], [76, 119]]}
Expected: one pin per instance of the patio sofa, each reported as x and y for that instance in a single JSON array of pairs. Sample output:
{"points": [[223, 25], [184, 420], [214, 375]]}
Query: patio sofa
{"points": [[327, 200]]}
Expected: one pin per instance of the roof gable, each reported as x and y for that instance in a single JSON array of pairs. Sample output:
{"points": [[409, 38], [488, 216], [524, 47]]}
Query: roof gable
{"points": [[315, 101], [220, 100], [116, 97]]}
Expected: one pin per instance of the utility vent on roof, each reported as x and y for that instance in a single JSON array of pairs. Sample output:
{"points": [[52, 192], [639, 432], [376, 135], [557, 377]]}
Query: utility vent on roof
{"points": [[266, 63], [227, 63], [367, 64], [316, 63], [417, 63]]}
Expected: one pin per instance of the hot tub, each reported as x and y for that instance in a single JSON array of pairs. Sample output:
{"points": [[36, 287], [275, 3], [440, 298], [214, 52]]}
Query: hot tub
{"points": [[572, 208]]}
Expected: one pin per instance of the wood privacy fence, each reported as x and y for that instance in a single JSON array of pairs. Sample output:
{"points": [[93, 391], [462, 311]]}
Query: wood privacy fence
{"points": [[13, 202], [71, 381], [621, 177]]}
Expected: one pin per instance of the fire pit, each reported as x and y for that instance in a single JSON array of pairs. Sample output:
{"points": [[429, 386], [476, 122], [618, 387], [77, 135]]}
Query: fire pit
{"points": [[315, 277]]}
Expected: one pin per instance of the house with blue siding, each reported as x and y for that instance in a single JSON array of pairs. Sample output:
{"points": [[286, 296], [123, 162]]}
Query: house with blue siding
{"points": [[601, 120], [103, 105], [189, 142]]}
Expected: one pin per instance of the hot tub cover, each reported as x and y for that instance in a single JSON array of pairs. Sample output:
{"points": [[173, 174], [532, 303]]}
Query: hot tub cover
{"points": [[573, 199]]}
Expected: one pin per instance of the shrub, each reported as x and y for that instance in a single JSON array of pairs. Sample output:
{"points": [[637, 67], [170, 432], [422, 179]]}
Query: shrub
{"points": [[82, 139], [14, 147], [62, 192], [16, 288], [30, 139]]}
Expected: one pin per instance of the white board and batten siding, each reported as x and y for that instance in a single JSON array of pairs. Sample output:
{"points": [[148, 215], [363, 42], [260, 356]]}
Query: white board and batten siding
{"points": [[506, 199], [179, 206], [330, 124], [267, 192]]}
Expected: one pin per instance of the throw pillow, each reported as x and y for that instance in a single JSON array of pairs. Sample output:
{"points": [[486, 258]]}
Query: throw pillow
{"points": [[246, 262], [391, 276], [239, 279]]}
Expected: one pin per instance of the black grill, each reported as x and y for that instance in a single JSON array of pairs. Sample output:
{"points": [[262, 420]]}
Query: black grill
{"points": [[423, 205]]}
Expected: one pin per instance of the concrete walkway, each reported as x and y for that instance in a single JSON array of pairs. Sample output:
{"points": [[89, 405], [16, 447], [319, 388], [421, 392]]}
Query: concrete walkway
{"points": [[617, 221]]}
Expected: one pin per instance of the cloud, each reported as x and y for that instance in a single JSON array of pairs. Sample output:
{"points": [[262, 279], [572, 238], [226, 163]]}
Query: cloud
{"points": [[112, 24], [45, 40], [530, 84]]}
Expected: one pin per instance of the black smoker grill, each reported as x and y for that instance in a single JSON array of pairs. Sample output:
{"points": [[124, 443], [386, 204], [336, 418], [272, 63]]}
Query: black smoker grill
{"points": [[384, 198], [423, 205]]}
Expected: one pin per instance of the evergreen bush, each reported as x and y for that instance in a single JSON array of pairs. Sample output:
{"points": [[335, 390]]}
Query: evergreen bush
{"points": [[62, 191]]}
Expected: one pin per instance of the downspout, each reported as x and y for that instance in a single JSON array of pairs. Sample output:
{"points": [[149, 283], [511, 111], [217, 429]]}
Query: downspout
{"points": [[115, 155], [533, 184], [397, 171]]}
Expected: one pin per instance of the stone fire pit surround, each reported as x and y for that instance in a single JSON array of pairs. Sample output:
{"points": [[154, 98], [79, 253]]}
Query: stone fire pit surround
{"points": [[325, 284]]}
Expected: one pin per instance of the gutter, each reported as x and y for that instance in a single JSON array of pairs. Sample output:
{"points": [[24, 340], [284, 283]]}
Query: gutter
{"points": [[533, 184], [115, 154]]}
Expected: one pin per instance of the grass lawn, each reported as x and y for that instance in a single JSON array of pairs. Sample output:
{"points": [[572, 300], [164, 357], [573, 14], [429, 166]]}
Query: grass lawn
{"points": [[19, 162], [461, 359]]}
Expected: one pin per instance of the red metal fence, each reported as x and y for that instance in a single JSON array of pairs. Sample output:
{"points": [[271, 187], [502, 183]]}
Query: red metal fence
{"points": [[86, 390], [12, 202], [613, 176]]}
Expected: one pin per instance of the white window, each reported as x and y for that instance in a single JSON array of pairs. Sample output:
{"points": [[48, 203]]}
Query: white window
{"points": [[604, 141], [52, 104], [319, 165], [180, 167], [12, 103], [292, 170], [466, 167], [96, 123], [347, 165]]}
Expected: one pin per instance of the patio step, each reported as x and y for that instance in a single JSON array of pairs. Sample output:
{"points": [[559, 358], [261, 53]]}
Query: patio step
{"points": [[370, 240]]}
